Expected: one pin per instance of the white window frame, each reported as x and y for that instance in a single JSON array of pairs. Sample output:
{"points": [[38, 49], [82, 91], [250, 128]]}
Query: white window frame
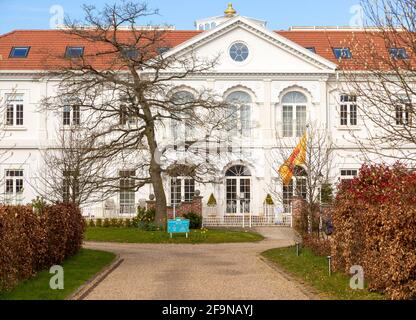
{"points": [[348, 174], [13, 103], [14, 178], [127, 195], [297, 129], [73, 113], [348, 111], [185, 195], [406, 112]]}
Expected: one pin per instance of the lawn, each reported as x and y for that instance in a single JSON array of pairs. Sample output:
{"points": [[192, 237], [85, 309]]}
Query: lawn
{"points": [[313, 270], [134, 235], [77, 270]]}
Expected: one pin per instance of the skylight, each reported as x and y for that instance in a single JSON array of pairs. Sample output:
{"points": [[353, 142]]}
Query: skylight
{"points": [[130, 52], [342, 53], [311, 49], [398, 53], [19, 52], [163, 50], [74, 52]]}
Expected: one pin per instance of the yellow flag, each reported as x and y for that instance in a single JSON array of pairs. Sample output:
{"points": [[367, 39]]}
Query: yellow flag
{"points": [[297, 158]]}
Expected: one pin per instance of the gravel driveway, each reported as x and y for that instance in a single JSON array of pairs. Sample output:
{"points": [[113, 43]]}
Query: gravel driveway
{"points": [[197, 272]]}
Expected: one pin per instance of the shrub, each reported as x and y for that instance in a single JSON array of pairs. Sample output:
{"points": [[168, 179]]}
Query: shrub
{"points": [[195, 220], [114, 222], [127, 223], [91, 223], [269, 200], [144, 219], [99, 223], [212, 202], [32, 240], [319, 246], [374, 218], [106, 223]]}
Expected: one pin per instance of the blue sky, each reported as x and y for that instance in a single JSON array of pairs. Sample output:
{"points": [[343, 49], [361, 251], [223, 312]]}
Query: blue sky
{"points": [[280, 14]]}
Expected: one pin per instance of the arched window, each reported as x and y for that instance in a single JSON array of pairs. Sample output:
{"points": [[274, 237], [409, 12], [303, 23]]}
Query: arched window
{"points": [[238, 190], [294, 114], [181, 129], [213, 25], [207, 26], [240, 112], [238, 171]]}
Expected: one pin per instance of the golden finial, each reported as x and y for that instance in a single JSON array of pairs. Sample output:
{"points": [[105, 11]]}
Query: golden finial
{"points": [[230, 12]]}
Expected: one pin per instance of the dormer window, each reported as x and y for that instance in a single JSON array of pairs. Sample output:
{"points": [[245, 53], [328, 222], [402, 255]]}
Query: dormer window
{"points": [[74, 52], [398, 53], [342, 53], [19, 52]]}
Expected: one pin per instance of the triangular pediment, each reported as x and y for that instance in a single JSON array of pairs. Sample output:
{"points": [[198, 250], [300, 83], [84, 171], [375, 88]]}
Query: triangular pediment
{"points": [[268, 51]]}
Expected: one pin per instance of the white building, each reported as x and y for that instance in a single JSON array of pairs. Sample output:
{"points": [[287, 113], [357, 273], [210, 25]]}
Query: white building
{"points": [[288, 78]]}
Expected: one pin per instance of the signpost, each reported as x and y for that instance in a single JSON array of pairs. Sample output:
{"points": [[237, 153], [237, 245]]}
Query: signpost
{"points": [[178, 226]]}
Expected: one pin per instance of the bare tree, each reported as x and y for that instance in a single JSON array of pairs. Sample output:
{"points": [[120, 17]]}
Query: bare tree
{"points": [[129, 89], [385, 87], [71, 170], [310, 178]]}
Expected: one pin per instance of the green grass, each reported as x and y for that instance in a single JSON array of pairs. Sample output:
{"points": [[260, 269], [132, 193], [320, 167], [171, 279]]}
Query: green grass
{"points": [[134, 235], [313, 270], [77, 270]]}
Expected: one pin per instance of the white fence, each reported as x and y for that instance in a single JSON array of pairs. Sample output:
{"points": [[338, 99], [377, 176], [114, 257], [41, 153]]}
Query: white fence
{"points": [[263, 217], [115, 212]]}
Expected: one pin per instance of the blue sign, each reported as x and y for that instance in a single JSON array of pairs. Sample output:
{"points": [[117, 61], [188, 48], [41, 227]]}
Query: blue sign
{"points": [[178, 226]]}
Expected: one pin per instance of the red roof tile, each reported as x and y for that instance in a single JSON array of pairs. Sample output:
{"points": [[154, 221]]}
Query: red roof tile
{"points": [[48, 46]]}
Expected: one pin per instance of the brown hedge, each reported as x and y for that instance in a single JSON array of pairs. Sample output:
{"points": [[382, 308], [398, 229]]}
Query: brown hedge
{"points": [[32, 241], [374, 219]]}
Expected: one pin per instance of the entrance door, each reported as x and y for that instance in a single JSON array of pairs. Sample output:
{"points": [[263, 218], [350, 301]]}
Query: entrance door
{"points": [[238, 190]]}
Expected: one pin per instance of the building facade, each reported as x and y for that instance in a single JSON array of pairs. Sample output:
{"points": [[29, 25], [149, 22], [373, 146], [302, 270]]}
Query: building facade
{"points": [[289, 81]]}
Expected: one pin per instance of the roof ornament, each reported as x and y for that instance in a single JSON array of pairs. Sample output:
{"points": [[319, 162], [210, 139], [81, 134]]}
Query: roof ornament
{"points": [[230, 11]]}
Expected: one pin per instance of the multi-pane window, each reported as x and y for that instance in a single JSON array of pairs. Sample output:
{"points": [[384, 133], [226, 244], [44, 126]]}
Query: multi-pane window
{"points": [[127, 192], [349, 174], [182, 131], [294, 114], [404, 112], [71, 116], [14, 110], [126, 118], [70, 186], [239, 113], [181, 189], [14, 186], [348, 110], [296, 187]]}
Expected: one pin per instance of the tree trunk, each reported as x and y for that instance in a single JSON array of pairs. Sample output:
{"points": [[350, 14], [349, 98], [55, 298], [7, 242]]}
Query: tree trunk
{"points": [[157, 182], [155, 171]]}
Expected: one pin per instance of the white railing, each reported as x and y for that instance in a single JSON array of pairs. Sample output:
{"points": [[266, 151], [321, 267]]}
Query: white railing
{"points": [[268, 215], [115, 212]]}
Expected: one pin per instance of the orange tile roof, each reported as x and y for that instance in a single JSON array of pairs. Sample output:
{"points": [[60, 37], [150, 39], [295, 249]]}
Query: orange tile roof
{"points": [[48, 46]]}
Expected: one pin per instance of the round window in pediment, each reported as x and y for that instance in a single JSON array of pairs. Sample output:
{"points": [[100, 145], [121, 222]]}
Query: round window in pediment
{"points": [[239, 52]]}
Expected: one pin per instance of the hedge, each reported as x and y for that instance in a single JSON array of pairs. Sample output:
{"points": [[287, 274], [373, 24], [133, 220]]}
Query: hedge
{"points": [[31, 240], [374, 219]]}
